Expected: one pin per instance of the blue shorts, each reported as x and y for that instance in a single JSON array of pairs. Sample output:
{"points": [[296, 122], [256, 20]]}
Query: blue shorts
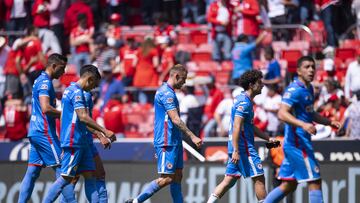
{"points": [[169, 158], [44, 151], [249, 165], [76, 161], [93, 149], [299, 164]]}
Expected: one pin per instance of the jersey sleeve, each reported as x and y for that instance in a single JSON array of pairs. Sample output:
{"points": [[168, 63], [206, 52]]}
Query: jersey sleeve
{"points": [[242, 109], [168, 100], [290, 97], [44, 88], [78, 100]]}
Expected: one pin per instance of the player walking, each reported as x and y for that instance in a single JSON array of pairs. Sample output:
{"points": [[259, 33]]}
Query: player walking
{"points": [[298, 112], [45, 147], [77, 157], [167, 138], [243, 157]]}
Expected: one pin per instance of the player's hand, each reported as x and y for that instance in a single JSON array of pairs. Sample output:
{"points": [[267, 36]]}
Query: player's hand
{"points": [[335, 124], [235, 157], [273, 143], [310, 128], [111, 135], [197, 141], [106, 142]]}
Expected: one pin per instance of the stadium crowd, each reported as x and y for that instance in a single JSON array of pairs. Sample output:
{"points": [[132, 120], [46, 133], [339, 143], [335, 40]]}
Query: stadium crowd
{"points": [[135, 43]]}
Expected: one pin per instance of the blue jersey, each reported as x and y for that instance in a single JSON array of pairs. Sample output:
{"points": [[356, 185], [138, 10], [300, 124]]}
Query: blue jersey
{"points": [[301, 99], [40, 123], [165, 132], [242, 107], [89, 107], [73, 131]]}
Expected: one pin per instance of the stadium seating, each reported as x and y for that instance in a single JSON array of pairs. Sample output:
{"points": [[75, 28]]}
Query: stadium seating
{"points": [[199, 37], [345, 53], [202, 53], [291, 57]]}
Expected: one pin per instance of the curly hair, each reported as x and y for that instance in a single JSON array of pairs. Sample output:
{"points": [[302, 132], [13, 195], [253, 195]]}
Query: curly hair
{"points": [[249, 77]]}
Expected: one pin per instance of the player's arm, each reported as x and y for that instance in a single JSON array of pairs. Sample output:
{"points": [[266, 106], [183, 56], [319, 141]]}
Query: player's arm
{"points": [[46, 108], [325, 121], [238, 122], [174, 116], [85, 118], [261, 134], [106, 142], [285, 115]]}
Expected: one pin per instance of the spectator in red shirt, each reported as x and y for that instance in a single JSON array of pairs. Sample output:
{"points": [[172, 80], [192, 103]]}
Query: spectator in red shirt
{"points": [[214, 97], [113, 117], [16, 119], [70, 20], [80, 41], [40, 13], [164, 30], [113, 31], [128, 58], [220, 16], [32, 55], [167, 59], [249, 10], [12, 71]]}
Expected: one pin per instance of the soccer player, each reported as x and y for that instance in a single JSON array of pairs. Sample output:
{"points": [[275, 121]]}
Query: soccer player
{"points": [[99, 167], [45, 147], [167, 138], [298, 112], [77, 157], [243, 157]]}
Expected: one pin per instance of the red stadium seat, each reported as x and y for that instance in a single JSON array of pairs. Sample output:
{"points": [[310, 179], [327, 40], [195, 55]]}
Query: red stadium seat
{"points": [[209, 66], [67, 78], [227, 66], [138, 120], [304, 46], [345, 53], [184, 37], [291, 56], [222, 77], [350, 43], [199, 37], [258, 65], [186, 47], [145, 28], [278, 46], [203, 53]]}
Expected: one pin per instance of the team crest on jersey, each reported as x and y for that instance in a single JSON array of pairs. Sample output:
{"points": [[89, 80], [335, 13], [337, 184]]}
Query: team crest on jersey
{"points": [[169, 100], [259, 166], [169, 166], [316, 169], [287, 95], [44, 87], [240, 108], [77, 98]]}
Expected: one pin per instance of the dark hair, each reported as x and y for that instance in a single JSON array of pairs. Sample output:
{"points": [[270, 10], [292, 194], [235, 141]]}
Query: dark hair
{"points": [[304, 58], [56, 58], [178, 68], [81, 16], [30, 29], [90, 69], [270, 51], [249, 77], [242, 38]]}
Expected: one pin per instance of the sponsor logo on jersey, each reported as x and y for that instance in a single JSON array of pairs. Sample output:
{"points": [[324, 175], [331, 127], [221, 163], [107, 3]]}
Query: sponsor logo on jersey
{"points": [[44, 87], [169, 100], [78, 98]]}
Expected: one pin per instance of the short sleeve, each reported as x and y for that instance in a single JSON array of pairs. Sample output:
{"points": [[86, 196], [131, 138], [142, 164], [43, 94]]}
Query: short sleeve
{"points": [[277, 71], [78, 100], [44, 88], [290, 97], [250, 47], [242, 109], [168, 100]]}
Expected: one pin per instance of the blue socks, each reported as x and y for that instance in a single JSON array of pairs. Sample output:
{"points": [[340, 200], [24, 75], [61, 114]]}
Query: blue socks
{"points": [[91, 191], [101, 189], [152, 188], [275, 196], [27, 185], [67, 194], [315, 196], [176, 194], [55, 190]]}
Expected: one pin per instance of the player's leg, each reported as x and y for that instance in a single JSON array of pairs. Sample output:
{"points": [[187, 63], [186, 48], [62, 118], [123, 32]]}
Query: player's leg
{"points": [[35, 165], [277, 194], [68, 190], [175, 186], [100, 179], [259, 185], [315, 193], [166, 169], [87, 169], [227, 183], [69, 166]]}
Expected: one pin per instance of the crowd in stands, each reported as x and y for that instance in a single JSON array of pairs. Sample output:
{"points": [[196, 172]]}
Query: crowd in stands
{"points": [[135, 43]]}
